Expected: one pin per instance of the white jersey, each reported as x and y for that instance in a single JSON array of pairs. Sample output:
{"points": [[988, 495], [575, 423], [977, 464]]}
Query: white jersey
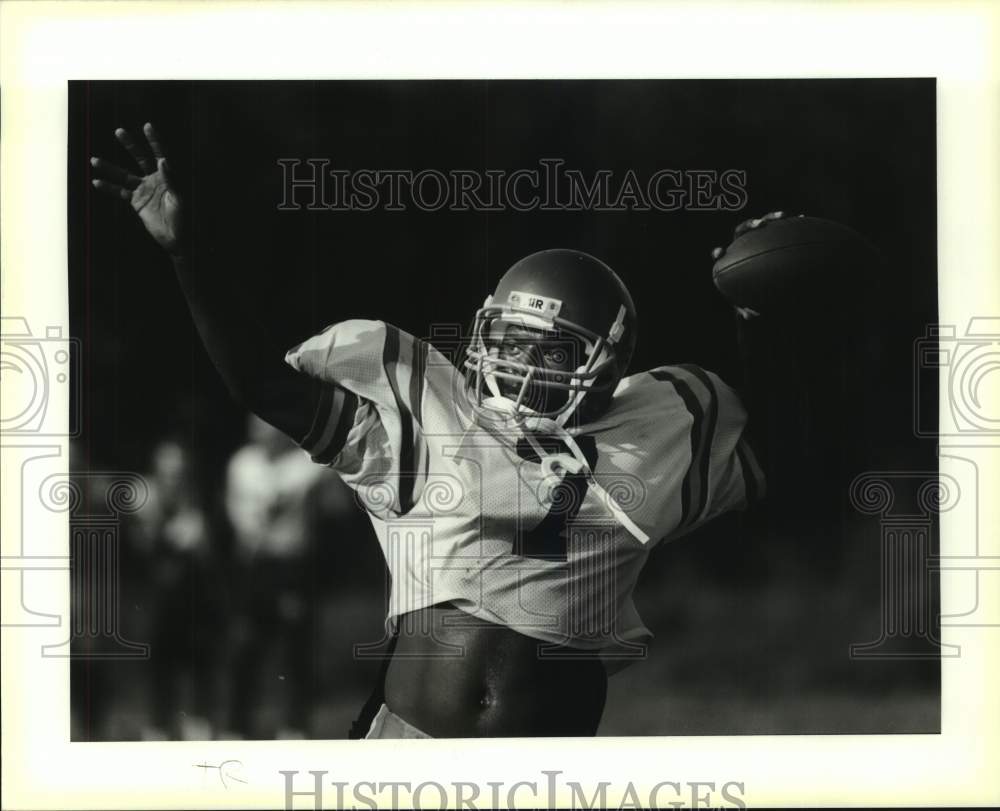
{"points": [[473, 515]]}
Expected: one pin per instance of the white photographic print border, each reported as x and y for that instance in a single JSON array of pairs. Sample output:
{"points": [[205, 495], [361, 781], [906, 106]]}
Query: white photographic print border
{"points": [[44, 45]]}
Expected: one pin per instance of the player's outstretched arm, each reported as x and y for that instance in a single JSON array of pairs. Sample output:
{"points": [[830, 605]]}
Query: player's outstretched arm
{"points": [[250, 362]]}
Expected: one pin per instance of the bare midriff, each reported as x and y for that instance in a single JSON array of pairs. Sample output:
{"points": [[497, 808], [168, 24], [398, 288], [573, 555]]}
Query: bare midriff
{"points": [[456, 676]]}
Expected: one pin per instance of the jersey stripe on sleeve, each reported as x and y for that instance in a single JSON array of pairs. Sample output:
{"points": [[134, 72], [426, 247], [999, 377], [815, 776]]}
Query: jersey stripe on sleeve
{"points": [[340, 429], [754, 480], [695, 389], [711, 406], [335, 412], [694, 408], [369, 425], [404, 362]]}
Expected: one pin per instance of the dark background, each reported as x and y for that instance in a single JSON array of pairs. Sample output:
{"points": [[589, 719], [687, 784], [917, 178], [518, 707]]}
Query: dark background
{"points": [[753, 615]]}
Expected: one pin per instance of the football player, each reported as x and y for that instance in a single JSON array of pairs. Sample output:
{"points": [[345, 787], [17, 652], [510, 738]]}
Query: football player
{"points": [[516, 486]]}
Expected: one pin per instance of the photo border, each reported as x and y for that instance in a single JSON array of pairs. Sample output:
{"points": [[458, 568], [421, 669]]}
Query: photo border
{"points": [[44, 45]]}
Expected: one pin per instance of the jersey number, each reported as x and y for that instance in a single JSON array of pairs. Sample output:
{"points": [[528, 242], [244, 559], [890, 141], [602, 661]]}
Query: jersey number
{"points": [[548, 539]]}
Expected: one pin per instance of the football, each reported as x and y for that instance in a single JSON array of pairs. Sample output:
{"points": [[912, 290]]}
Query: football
{"points": [[787, 261]]}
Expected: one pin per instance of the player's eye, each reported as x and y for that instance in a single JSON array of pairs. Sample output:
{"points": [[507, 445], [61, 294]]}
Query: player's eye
{"points": [[555, 357]]}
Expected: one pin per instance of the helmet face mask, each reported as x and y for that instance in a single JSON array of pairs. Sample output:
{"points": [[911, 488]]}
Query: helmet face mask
{"points": [[532, 355], [541, 372]]}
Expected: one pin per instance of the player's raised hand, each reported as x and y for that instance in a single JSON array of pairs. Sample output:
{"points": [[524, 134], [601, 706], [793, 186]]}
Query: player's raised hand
{"points": [[151, 193]]}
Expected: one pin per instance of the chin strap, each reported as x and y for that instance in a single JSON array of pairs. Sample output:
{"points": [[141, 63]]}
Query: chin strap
{"points": [[544, 425], [554, 428]]}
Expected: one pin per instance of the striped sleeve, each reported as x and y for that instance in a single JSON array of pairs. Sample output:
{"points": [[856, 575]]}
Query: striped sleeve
{"points": [[723, 473], [368, 425], [334, 416]]}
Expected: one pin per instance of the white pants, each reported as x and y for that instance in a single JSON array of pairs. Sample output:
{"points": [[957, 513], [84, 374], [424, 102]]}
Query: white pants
{"points": [[387, 724]]}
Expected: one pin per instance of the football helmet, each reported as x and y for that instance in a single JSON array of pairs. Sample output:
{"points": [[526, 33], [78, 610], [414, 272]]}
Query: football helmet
{"points": [[557, 302]]}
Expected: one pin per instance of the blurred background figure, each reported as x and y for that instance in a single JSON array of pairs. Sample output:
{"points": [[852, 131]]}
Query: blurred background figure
{"points": [[267, 486], [233, 572], [173, 536]]}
